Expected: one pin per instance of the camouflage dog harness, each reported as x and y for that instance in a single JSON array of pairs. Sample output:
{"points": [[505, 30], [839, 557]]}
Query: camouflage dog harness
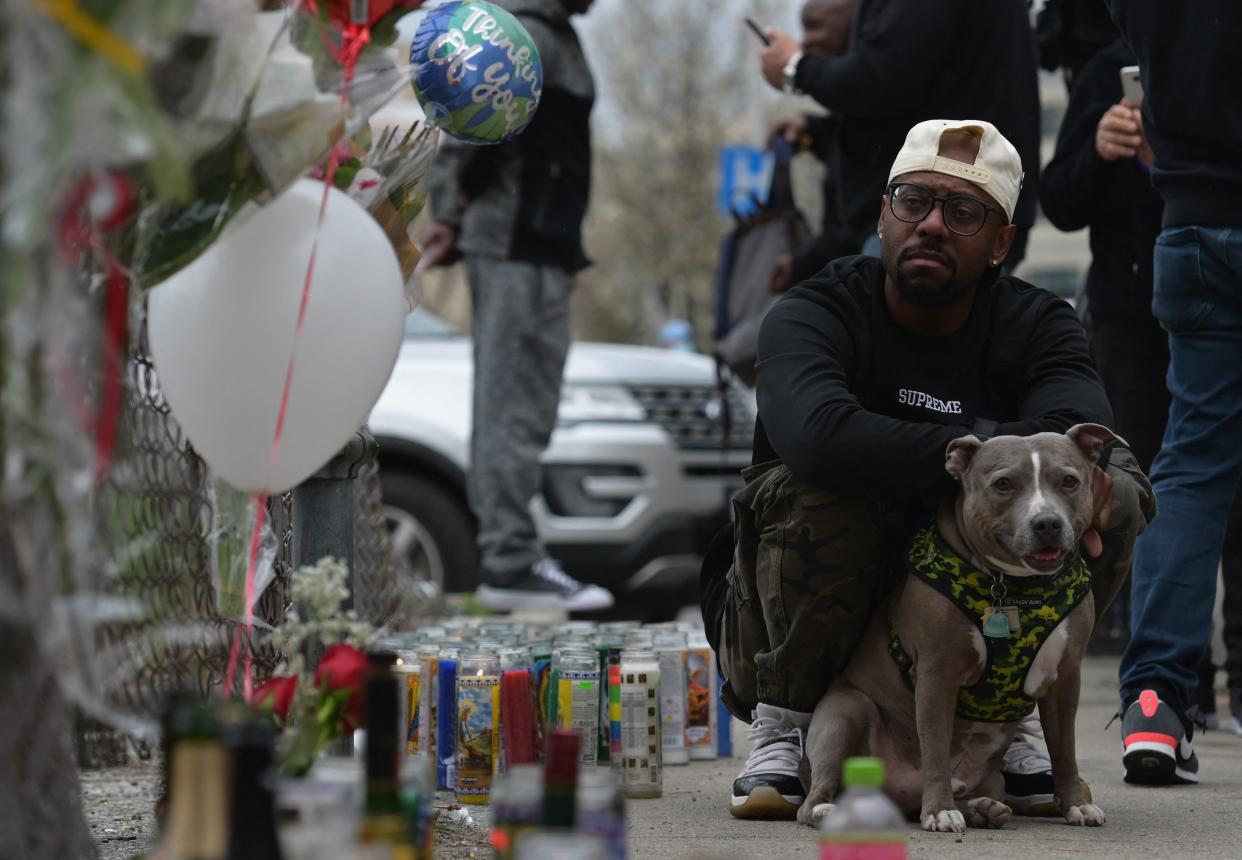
{"points": [[1042, 603]]}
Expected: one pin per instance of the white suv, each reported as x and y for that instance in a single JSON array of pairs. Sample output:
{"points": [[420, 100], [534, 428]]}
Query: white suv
{"points": [[637, 476]]}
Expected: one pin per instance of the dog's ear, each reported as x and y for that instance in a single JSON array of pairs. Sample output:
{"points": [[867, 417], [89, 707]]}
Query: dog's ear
{"points": [[1091, 439], [959, 454]]}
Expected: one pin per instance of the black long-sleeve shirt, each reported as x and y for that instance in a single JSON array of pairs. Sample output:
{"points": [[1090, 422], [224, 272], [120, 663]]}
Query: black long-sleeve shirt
{"points": [[851, 401], [912, 60], [1190, 54], [1115, 199]]}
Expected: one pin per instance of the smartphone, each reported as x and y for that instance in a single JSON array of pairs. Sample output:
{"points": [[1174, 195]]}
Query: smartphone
{"points": [[758, 31], [1132, 86]]}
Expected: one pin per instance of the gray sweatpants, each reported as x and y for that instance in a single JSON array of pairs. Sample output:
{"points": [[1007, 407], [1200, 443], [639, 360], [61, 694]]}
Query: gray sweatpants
{"points": [[521, 336]]}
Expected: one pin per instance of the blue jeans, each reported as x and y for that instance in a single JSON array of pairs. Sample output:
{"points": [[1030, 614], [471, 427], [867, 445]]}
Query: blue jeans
{"points": [[1198, 301]]}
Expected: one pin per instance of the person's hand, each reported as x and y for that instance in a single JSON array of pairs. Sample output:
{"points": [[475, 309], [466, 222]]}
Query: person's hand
{"points": [[792, 128], [440, 247], [1119, 133], [781, 278], [775, 55], [1102, 507]]}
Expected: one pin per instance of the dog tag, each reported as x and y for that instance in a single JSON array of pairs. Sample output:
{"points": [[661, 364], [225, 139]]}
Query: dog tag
{"points": [[995, 625], [1012, 616]]}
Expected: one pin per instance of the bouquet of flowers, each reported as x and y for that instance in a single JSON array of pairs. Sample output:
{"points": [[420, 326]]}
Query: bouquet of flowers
{"points": [[314, 708], [386, 174]]}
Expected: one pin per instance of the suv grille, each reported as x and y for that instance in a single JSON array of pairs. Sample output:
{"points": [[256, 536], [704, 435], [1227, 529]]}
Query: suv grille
{"points": [[694, 415]]}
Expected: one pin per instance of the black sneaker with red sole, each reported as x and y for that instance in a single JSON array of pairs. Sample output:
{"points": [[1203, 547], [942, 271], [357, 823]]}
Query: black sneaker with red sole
{"points": [[1157, 741]]}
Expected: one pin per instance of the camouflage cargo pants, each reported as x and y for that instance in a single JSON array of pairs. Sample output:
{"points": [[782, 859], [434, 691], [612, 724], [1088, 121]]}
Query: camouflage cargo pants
{"points": [[811, 567]]}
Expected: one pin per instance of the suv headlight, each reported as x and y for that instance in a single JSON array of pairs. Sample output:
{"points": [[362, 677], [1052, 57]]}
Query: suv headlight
{"points": [[598, 403]]}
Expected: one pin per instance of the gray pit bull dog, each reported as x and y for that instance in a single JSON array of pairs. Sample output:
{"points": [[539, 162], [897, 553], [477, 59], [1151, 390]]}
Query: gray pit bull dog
{"points": [[1010, 537]]}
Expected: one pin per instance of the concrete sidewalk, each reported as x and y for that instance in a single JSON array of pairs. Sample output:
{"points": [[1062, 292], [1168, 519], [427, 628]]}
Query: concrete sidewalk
{"points": [[1203, 822]]}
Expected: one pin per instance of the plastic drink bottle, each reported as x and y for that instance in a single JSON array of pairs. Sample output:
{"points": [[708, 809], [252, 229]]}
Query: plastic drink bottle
{"points": [[866, 825]]}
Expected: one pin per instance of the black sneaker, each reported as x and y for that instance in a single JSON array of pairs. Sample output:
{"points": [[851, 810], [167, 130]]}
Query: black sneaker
{"points": [[1157, 742], [1028, 773], [544, 585], [769, 785]]}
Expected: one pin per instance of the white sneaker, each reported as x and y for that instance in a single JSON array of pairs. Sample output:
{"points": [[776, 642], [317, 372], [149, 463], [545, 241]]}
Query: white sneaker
{"points": [[769, 785], [545, 585], [1234, 726], [1028, 771]]}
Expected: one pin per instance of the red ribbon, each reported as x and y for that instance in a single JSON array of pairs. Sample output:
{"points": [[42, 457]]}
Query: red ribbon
{"points": [[97, 206], [354, 40]]}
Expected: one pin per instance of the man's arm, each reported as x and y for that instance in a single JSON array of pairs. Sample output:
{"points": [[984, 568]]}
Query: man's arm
{"points": [[444, 186], [900, 46], [1062, 387], [818, 427]]}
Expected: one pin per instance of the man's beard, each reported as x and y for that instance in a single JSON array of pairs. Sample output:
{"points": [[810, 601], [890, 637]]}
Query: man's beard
{"points": [[924, 291]]}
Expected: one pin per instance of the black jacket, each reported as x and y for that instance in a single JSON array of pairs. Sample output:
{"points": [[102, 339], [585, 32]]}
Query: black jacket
{"points": [[834, 238], [852, 402], [912, 60], [1190, 53], [1115, 200], [526, 199]]}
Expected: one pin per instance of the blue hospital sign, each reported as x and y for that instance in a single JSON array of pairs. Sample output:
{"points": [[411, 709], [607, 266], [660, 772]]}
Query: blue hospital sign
{"points": [[745, 179]]}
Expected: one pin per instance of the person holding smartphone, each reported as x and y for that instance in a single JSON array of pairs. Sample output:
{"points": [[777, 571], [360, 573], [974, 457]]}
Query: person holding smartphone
{"points": [[1195, 130], [908, 61], [1100, 178], [825, 30]]}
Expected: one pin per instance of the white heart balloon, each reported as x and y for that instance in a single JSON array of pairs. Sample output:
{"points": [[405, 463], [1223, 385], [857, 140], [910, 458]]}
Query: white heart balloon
{"points": [[222, 330]]}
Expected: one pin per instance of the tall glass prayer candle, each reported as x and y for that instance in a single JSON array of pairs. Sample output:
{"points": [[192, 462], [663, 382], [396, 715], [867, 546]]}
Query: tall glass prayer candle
{"points": [[517, 806], [578, 699], [560, 779], [701, 697], [640, 724], [604, 643], [478, 725], [409, 676], [446, 720], [614, 709], [518, 720], [428, 699], [670, 648], [541, 653]]}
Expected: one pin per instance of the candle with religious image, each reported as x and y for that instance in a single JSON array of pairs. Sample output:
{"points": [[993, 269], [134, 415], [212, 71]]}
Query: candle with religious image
{"points": [[700, 697], [478, 726]]}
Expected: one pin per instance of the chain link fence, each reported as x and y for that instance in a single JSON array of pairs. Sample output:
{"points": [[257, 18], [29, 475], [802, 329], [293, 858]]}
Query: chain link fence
{"points": [[156, 516]]}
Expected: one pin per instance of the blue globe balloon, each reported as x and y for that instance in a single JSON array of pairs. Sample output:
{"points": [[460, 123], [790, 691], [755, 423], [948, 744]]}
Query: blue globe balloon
{"points": [[476, 71]]}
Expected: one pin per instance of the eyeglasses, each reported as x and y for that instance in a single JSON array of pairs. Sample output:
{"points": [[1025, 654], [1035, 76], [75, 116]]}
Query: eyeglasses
{"points": [[963, 214]]}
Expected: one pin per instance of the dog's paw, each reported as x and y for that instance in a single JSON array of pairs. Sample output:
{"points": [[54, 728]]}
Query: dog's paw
{"points": [[1087, 815], [812, 813], [945, 821], [986, 812]]}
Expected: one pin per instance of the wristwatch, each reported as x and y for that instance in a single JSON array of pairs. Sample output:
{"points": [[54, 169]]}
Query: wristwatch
{"points": [[790, 72]]}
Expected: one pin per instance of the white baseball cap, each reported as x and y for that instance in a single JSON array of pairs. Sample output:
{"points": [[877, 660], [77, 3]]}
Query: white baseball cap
{"points": [[997, 167]]}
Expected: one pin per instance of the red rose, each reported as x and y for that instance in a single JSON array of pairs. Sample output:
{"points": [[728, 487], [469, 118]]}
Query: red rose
{"points": [[276, 696], [343, 667]]}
